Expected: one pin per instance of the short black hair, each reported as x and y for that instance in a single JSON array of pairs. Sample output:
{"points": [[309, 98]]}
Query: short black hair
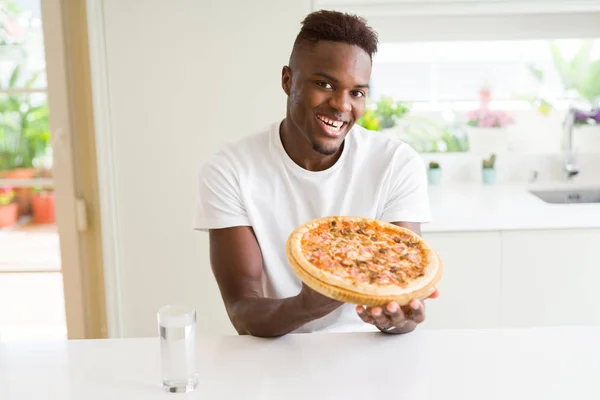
{"points": [[336, 26]]}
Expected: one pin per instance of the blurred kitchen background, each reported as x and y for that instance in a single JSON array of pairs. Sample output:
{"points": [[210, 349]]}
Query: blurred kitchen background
{"points": [[112, 106]]}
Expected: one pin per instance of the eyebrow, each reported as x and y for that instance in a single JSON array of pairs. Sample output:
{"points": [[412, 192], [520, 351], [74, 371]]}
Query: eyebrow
{"points": [[331, 78]]}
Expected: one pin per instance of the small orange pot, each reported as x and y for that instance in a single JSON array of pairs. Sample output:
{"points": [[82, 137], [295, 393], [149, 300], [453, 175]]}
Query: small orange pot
{"points": [[43, 208], [9, 214], [23, 194]]}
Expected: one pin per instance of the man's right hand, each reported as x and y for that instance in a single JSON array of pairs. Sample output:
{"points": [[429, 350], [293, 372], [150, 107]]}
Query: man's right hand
{"points": [[313, 300]]}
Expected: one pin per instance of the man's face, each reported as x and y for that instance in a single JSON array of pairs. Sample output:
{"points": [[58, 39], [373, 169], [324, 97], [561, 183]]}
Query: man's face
{"points": [[327, 86]]}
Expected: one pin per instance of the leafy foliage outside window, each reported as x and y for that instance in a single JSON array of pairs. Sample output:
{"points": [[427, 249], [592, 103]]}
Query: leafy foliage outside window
{"points": [[580, 76], [24, 130], [11, 32]]}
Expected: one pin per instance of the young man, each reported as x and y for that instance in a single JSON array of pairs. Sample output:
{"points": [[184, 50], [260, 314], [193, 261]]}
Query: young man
{"points": [[316, 162]]}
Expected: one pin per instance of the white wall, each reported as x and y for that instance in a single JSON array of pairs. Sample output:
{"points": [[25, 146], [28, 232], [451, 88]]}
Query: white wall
{"points": [[184, 76]]}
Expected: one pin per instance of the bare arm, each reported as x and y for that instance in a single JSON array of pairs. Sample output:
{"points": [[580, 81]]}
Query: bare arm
{"points": [[236, 262]]}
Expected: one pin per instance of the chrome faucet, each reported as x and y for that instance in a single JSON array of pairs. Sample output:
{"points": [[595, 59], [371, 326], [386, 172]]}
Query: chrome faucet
{"points": [[569, 166], [569, 156], [533, 176]]}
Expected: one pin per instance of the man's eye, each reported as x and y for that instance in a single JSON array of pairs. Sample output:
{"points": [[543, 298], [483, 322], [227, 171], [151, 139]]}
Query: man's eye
{"points": [[325, 85], [358, 93]]}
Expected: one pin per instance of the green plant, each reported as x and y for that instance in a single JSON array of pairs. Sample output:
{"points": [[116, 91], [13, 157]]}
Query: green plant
{"points": [[428, 136], [581, 73], [383, 114], [454, 142], [369, 120], [7, 195], [538, 101], [489, 163], [423, 134], [24, 129], [434, 165], [41, 190]]}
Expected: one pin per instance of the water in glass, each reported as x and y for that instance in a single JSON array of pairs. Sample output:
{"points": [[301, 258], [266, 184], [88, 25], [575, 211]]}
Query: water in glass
{"points": [[177, 326]]}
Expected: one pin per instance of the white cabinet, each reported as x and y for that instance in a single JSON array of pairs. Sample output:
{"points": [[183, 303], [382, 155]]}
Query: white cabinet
{"points": [[516, 279], [550, 277], [470, 287]]}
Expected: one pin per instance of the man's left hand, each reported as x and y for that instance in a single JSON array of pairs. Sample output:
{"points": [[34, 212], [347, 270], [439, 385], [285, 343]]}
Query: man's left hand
{"points": [[393, 318]]}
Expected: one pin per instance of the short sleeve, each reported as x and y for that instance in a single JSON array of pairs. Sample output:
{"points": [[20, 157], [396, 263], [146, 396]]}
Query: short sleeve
{"points": [[219, 202], [408, 197]]}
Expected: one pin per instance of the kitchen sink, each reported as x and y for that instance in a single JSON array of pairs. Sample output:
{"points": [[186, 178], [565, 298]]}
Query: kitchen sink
{"points": [[568, 196]]}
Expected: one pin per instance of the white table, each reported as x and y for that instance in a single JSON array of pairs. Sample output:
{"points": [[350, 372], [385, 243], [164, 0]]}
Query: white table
{"points": [[552, 363]]}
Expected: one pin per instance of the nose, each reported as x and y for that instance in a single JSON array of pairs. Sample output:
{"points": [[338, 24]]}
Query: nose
{"points": [[340, 100]]}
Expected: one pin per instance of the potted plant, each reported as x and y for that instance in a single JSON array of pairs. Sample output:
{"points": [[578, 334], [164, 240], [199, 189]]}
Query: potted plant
{"points": [[579, 75], [434, 173], [486, 128], [587, 135], [8, 207], [24, 135], [42, 204], [489, 170], [383, 114]]}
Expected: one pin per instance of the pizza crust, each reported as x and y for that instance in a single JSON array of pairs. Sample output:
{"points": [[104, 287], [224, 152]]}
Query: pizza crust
{"points": [[357, 292]]}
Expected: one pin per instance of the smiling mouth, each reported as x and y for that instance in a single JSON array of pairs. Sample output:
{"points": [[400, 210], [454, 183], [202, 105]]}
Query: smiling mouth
{"points": [[332, 127]]}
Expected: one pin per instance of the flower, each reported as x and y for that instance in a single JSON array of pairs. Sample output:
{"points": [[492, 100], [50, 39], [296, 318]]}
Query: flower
{"points": [[14, 31], [587, 119], [7, 195], [485, 118]]}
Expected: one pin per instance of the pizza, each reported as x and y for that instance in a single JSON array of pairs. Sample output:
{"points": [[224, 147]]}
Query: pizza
{"points": [[363, 261]]}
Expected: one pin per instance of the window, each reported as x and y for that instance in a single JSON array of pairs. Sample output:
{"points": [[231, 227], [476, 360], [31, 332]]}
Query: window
{"points": [[532, 81], [454, 72]]}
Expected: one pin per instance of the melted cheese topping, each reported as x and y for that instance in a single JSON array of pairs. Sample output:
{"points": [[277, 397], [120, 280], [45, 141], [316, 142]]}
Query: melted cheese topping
{"points": [[364, 253]]}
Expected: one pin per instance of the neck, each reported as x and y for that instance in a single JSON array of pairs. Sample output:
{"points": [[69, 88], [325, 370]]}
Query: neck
{"points": [[301, 151]]}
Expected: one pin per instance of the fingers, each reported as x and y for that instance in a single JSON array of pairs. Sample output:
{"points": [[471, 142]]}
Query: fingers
{"points": [[435, 294], [381, 320], [374, 316], [364, 315], [393, 315], [416, 311], [414, 304], [396, 314]]}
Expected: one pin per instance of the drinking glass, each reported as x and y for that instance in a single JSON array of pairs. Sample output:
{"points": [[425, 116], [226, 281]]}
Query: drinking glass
{"points": [[177, 328]]}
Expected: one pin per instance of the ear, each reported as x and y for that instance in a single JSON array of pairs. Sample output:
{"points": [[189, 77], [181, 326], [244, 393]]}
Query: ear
{"points": [[286, 79]]}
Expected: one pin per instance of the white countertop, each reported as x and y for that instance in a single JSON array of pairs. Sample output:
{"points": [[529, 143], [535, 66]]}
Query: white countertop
{"points": [[541, 363], [458, 208]]}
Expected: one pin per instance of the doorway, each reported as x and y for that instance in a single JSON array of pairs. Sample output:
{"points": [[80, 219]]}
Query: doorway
{"points": [[51, 284]]}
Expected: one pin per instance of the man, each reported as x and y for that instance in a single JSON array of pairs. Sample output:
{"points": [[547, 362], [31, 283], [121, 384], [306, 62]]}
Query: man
{"points": [[314, 163]]}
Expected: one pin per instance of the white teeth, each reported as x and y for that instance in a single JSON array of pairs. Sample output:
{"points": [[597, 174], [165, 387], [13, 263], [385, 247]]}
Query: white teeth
{"points": [[337, 124], [330, 126], [332, 130]]}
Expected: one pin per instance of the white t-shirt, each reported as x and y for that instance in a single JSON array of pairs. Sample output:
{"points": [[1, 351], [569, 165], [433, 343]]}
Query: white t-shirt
{"points": [[253, 182]]}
